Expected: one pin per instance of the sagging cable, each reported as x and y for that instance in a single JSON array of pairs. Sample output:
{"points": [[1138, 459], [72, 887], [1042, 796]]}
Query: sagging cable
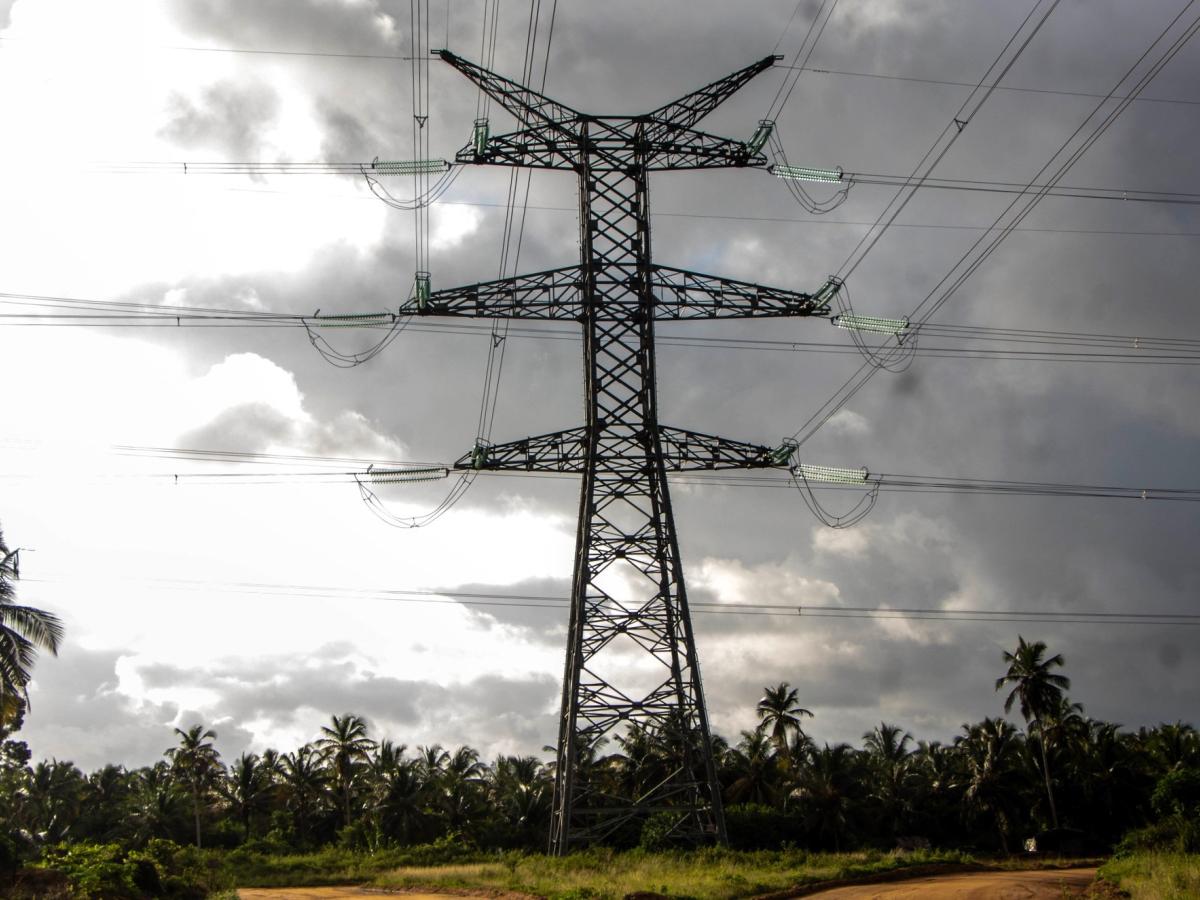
{"points": [[419, 167], [795, 177], [375, 505], [892, 357], [393, 322], [805, 475]]}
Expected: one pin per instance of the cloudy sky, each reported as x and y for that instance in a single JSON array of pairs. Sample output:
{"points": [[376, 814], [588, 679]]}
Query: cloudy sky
{"points": [[260, 609]]}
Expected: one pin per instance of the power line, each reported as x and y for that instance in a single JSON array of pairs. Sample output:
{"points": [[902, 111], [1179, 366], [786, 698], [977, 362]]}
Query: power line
{"points": [[971, 260], [557, 603], [235, 167], [907, 483], [1063, 346], [183, 48], [1018, 90]]}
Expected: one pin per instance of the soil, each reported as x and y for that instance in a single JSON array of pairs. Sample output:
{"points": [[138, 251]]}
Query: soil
{"points": [[323, 893], [1045, 884]]}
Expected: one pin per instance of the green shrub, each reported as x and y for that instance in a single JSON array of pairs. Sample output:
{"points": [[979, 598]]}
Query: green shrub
{"points": [[161, 869], [1177, 794], [1174, 833]]}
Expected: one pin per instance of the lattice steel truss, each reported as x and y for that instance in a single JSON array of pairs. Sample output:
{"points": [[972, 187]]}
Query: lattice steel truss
{"points": [[631, 656]]}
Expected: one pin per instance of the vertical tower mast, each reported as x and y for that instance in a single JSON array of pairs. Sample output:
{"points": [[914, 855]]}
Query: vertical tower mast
{"points": [[631, 669]]}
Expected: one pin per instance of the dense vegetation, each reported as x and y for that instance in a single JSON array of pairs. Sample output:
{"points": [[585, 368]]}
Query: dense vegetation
{"points": [[346, 806], [989, 789]]}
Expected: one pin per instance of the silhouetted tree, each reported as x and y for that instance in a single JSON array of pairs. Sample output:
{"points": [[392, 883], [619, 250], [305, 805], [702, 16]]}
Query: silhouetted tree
{"points": [[197, 763], [23, 630], [1039, 692]]}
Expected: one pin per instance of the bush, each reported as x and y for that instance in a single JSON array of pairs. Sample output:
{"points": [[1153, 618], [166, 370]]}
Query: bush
{"points": [[1174, 833], [1177, 794], [162, 869], [753, 826]]}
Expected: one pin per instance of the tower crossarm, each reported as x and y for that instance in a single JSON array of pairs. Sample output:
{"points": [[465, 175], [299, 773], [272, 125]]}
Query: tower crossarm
{"points": [[693, 295], [684, 148], [691, 108], [532, 148], [566, 451], [529, 107], [690, 451], [553, 294]]}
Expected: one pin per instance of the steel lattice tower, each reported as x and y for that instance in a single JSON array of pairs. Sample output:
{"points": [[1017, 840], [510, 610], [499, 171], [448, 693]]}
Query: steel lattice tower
{"points": [[628, 588]]}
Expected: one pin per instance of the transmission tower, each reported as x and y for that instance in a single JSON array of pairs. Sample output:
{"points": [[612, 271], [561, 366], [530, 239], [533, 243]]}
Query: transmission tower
{"points": [[631, 664]]}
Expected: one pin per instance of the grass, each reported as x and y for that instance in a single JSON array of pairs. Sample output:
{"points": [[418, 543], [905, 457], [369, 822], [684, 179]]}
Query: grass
{"points": [[1151, 875], [332, 865], [709, 874]]}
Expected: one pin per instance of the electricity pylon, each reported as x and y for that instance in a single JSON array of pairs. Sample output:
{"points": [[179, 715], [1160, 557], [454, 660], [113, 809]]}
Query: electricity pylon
{"points": [[631, 666]]}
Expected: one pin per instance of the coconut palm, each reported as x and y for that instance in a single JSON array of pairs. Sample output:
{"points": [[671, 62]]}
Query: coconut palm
{"points": [[757, 777], [1039, 693], [780, 712], [23, 630], [345, 746], [827, 788], [521, 793], [197, 762], [248, 788], [889, 757], [990, 752], [303, 782]]}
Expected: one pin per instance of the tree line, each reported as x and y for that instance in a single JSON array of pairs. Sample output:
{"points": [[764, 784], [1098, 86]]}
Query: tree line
{"points": [[991, 787]]}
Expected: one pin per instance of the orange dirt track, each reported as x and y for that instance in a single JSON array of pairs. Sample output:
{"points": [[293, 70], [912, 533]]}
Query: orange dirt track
{"points": [[1030, 885], [1040, 885]]}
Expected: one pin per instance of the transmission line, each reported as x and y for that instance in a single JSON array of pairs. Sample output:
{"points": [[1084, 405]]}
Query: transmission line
{"points": [[980, 341], [486, 599], [1004, 224]]}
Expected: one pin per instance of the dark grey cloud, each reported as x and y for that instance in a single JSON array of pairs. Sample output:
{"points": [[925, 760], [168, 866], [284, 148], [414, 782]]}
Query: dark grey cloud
{"points": [[1052, 421], [228, 117], [78, 713], [487, 712]]}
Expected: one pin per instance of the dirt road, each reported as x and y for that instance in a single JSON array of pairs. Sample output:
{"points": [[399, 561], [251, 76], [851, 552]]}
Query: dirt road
{"points": [[323, 893], [1042, 885]]}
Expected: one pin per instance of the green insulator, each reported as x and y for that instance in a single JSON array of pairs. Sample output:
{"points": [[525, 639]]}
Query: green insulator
{"points": [[479, 455], [827, 291], [761, 136], [479, 137], [421, 287], [783, 453]]}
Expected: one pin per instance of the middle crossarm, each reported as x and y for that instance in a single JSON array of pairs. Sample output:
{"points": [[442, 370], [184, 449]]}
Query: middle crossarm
{"points": [[680, 294], [553, 294], [565, 451], [692, 295]]}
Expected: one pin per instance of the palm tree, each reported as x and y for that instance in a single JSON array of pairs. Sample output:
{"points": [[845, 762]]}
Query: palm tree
{"points": [[196, 760], [23, 630], [780, 712], [990, 756], [757, 776], [345, 745], [827, 789], [888, 754], [248, 789], [304, 783], [401, 797], [1039, 692]]}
